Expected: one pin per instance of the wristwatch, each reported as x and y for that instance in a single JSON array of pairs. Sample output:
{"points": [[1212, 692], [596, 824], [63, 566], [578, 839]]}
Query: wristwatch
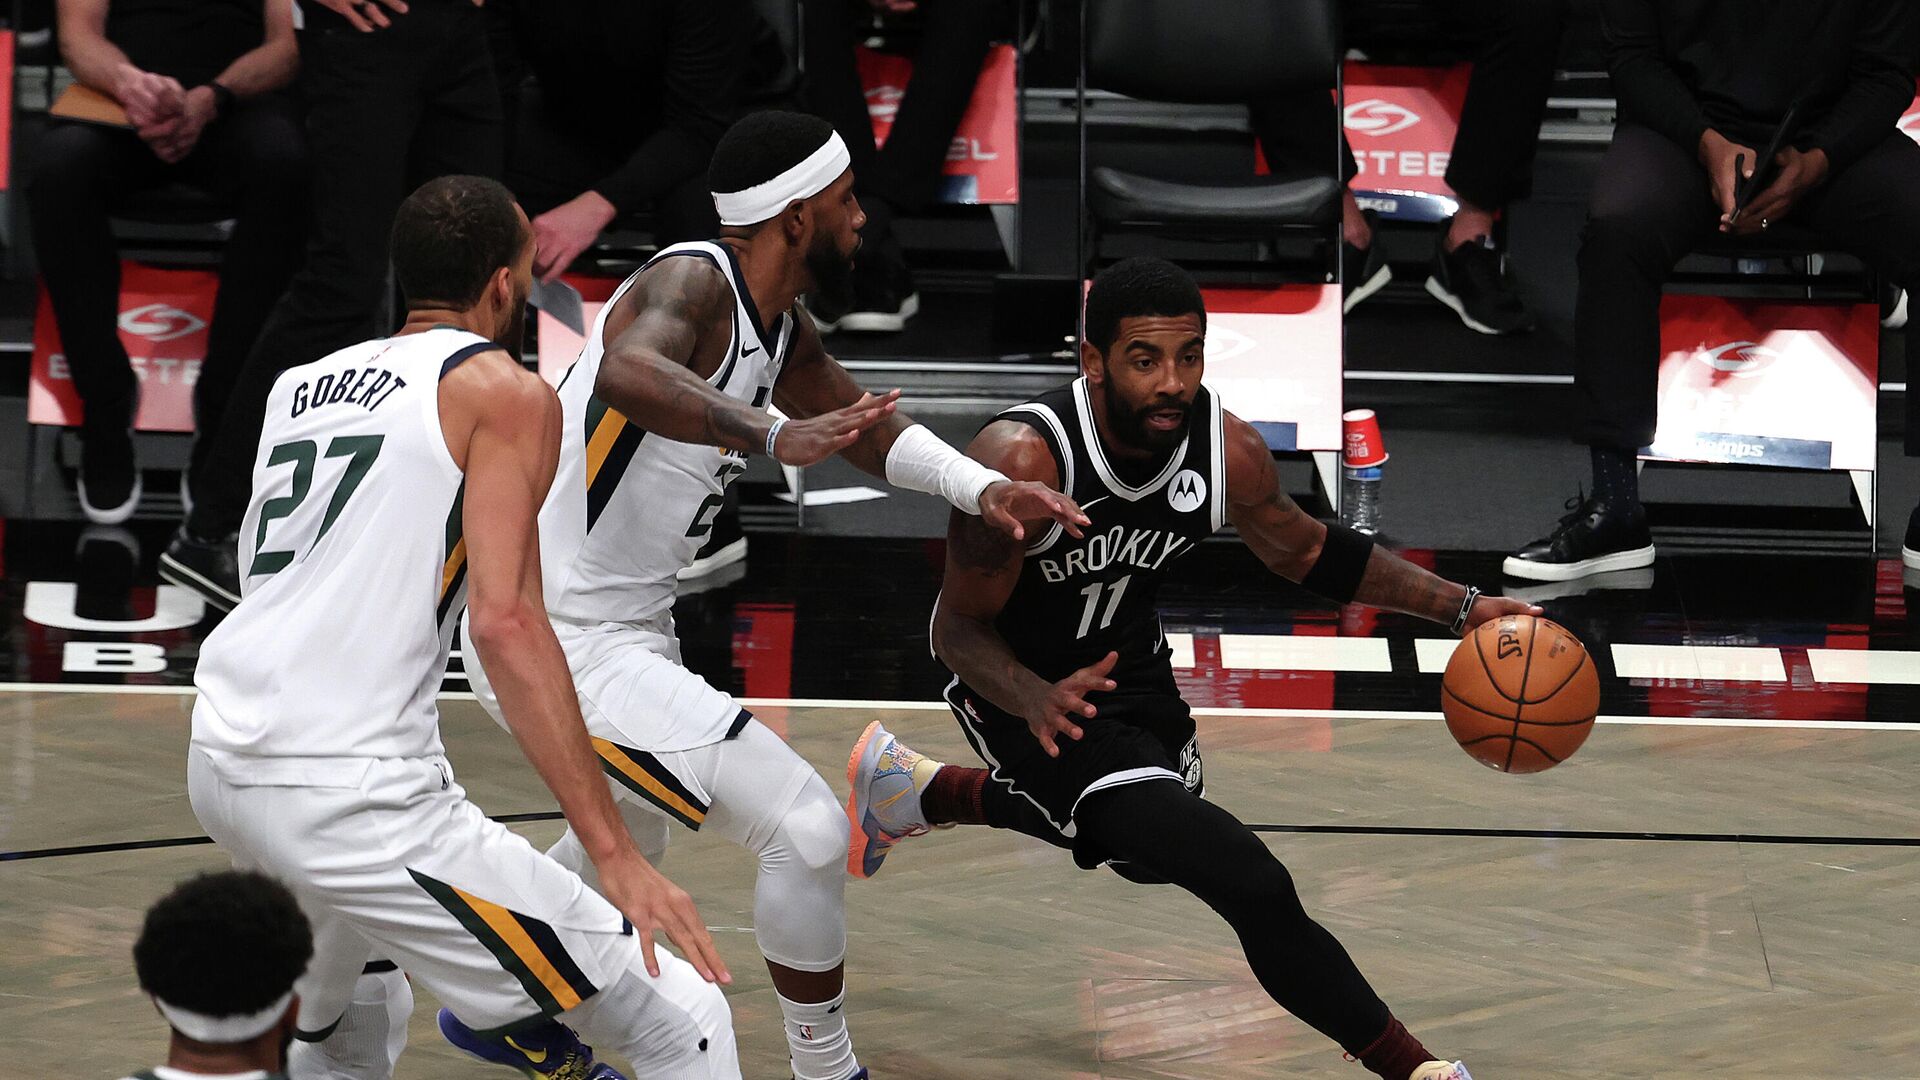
{"points": [[223, 97]]}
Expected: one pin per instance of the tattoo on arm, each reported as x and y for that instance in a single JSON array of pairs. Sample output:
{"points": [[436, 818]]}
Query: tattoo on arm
{"points": [[1395, 584]]}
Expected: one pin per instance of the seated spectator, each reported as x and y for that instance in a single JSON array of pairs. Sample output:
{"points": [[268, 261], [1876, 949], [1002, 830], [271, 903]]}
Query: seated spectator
{"points": [[1701, 83], [396, 93], [615, 106], [904, 175], [219, 956], [198, 80], [1491, 166]]}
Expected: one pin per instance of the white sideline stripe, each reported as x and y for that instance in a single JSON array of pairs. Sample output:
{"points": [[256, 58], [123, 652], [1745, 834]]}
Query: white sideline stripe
{"points": [[858, 705], [1288, 652], [1433, 654], [1865, 666], [1719, 663]]}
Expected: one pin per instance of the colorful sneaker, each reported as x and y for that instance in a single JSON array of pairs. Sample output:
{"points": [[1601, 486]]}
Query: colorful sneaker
{"points": [[884, 805], [549, 1051], [1441, 1070]]}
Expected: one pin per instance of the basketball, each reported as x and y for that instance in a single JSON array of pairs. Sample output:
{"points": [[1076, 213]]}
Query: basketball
{"points": [[1520, 694]]}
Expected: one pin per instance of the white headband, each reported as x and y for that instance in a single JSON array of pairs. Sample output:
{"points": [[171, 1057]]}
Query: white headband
{"points": [[803, 181], [224, 1029]]}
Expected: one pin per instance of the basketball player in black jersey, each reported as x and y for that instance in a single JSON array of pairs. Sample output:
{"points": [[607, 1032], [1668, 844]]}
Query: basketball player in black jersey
{"points": [[1062, 678]]}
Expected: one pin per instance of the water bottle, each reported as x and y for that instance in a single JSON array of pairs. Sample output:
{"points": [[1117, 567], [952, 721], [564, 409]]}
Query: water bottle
{"points": [[1360, 498]]}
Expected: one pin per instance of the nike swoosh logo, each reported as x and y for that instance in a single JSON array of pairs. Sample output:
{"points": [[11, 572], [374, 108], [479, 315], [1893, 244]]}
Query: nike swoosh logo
{"points": [[744, 353], [531, 1056], [833, 1010], [1094, 502]]}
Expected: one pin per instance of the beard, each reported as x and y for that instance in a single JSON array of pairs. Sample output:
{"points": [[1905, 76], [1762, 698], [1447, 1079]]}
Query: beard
{"points": [[514, 337], [1130, 424], [832, 275]]}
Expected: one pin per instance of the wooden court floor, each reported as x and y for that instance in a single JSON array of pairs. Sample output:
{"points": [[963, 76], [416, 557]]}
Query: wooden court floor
{"points": [[1508, 933]]}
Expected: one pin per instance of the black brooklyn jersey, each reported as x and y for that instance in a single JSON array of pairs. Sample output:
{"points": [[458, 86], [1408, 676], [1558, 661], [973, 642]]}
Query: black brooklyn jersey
{"points": [[1076, 600]]}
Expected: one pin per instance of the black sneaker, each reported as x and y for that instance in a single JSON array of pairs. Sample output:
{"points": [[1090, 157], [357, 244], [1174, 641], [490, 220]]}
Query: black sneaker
{"points": [[1893, 306], [208, 567], [1910, 547], [725, 546], [1590, 540], [1363, 272], [1474, 280], [883, 297], [109, 486]]}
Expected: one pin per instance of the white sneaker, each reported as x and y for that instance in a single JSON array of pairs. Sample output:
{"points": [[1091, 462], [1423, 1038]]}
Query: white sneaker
{"points": [[884, 806]]}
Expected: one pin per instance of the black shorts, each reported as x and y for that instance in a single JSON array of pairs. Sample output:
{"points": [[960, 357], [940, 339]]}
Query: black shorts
{"points": [[1135, 738]]}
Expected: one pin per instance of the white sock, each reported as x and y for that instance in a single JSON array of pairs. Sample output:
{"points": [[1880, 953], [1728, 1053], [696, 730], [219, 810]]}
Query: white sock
{"points": [[367, 1042], [817, 1039]]}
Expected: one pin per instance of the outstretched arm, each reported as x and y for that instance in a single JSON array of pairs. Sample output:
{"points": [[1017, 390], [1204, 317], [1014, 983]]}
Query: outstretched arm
{"points": [[983, 565], [908, 454], [647, 372], [503, 428], [1341, 566]]}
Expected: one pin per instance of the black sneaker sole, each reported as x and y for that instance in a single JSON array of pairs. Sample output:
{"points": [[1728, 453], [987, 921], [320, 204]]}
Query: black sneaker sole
{"points": [[1530, 570], [880, 322], [174, 571], [1446, 296]]}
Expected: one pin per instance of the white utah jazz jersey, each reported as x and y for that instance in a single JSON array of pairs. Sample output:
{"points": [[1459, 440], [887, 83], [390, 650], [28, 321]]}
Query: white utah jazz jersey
{"points": [[629, 509], [352, 567]]}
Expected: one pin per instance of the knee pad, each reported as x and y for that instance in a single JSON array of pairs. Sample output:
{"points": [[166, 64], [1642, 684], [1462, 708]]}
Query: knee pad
{"points": [[676, 1027], [814, 830], [367, 1041]]}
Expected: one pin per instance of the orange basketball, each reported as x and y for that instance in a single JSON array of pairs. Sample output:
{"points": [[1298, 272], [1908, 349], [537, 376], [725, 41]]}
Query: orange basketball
{"points": [[1520, 694]]}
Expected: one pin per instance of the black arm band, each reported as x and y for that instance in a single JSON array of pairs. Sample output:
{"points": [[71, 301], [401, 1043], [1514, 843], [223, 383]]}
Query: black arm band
{"points": [[1342, 563]]}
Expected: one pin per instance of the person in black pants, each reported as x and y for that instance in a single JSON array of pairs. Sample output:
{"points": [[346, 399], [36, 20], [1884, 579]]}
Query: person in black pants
{"points": [[1700, 85], [1515, 43], [199, 81], [397, 93], [904, 175], [615, 106]]}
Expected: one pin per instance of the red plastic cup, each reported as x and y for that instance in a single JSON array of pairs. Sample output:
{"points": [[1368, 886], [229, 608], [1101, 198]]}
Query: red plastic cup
{"points": [[1361, 448]]}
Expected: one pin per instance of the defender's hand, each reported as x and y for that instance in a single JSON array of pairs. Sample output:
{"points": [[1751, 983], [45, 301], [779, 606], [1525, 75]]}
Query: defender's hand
{"points": [[817, 438], [1007, 503], [1489, 608], [1066, 700], [654, 904]]}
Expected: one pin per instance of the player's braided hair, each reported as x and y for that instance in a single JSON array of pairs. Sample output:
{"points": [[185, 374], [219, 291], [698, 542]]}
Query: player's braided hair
{"points": [[1141, 285], [223, 944]]}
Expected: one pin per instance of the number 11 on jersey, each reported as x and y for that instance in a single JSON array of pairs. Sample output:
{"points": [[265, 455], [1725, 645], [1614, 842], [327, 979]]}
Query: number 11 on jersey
{"points": [[1092, 593]]}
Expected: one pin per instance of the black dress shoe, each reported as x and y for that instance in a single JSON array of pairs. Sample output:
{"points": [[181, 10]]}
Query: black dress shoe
{"points": [[109, 484], [208, 567], [1592, 539]]}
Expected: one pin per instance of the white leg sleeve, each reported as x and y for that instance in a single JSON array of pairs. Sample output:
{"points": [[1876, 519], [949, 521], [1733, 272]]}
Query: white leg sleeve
{"points": [[770, 801], [676, 1027], [367, 1041]]}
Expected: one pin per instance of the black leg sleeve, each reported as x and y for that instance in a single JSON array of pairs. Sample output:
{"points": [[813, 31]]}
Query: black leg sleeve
{"points": [[1160, 826]]}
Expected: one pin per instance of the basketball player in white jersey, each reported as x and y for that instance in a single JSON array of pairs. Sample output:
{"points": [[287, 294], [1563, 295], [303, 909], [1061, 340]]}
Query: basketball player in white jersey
{"points": [[668, 398], [394, 479]]}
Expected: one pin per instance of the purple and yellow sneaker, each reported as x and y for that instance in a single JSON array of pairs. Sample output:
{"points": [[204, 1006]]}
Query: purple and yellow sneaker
{"points": [[547, 1051], [884, 805]]}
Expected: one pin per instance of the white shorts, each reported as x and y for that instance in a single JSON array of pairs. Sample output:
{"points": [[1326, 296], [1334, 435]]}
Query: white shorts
{"points": [[390, 860], [645, 712]]}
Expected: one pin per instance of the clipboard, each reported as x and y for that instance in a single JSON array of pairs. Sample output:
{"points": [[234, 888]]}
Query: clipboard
{"points": [[1765, 169], [82, 103]]}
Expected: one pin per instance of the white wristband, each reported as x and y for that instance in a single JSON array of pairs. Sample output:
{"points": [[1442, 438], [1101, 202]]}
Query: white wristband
{"points": [[774, 433], [920, 461]]}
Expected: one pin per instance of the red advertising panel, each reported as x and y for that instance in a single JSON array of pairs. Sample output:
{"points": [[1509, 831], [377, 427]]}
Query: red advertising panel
{"points": [[163, 325], [1273, 356], [983, 161], [1759, 382], [1400, 122]]}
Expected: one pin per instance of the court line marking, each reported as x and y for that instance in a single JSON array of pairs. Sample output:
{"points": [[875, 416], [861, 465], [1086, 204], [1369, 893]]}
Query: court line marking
{"points": [[860, 705], [1778, 839]]}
